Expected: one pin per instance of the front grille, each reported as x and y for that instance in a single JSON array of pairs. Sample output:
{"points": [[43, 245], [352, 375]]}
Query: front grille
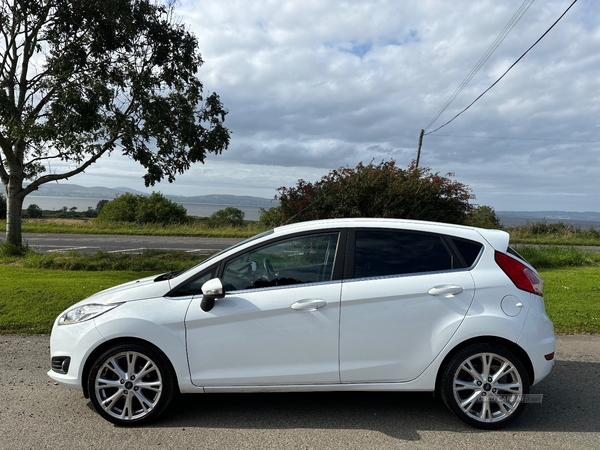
{"points": [[60, 364]]}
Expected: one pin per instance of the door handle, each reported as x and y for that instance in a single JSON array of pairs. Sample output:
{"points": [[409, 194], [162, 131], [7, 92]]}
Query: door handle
{"points": [[447, 290], [309, 304]]}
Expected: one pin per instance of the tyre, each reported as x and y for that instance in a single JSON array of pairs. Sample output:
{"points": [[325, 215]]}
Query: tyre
{"points": [[131, 384], [484, 385]]}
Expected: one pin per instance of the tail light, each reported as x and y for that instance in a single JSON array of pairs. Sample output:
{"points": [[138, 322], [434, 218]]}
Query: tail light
{"points": [[522, 276]]}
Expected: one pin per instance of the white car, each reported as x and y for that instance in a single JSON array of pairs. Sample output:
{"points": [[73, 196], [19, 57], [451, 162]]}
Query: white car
{"points": [[333, 305]]}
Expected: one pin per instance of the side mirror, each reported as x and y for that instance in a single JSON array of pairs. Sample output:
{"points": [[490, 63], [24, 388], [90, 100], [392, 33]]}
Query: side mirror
{"points": [[211, 290]]}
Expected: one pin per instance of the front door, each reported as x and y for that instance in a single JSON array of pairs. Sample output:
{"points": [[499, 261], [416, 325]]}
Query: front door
{"points": [[278, 322]]}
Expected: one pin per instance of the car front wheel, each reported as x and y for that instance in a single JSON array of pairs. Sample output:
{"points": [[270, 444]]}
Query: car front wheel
{"points": [[485, 386], [131, 384]]}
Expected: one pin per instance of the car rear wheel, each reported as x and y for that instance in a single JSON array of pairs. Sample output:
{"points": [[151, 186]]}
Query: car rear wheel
{"points": [[484, 385], [131, 384]]}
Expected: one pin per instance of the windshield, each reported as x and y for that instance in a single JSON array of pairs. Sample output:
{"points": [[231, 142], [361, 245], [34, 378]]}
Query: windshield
{"points": [[239, 244]]}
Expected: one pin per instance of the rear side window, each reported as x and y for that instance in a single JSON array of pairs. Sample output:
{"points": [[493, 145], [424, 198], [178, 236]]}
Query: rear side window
{"points": [[469, 250], [382, 253]]}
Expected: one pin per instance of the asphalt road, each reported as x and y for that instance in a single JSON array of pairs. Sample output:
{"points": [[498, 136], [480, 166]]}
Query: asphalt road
{"points": [[91, 243], [36, 413]]}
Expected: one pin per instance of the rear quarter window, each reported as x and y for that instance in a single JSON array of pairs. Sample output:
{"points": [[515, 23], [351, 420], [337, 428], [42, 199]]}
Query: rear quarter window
{"points": [[469, 250]]}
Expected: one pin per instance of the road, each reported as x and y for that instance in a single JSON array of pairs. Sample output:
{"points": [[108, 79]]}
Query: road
{"points": [[36, 413], [91, 243]]}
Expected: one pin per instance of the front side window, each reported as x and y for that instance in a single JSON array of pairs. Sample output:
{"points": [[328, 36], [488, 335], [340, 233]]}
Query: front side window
{"points": [[387, 252], [296, 260], [194, 286]]}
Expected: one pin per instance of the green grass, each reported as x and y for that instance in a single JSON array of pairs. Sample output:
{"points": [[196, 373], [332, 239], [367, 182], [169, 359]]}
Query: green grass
{"points": [[75, 226], [149, 260], [572, 298], [32, 298], [36, 288], [547, 257], [553, 234]]}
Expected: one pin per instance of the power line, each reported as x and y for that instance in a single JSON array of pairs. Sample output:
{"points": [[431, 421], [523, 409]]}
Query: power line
{"points": [[507, 29], [507, 70], [515, 138]]}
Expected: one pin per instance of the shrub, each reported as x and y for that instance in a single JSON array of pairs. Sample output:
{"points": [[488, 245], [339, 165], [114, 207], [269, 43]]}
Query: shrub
{"points": [[158, 209], [270, 218], [382, 190], [100, 205], [229, 216], [141, 209], [121, 209], [484, 217], [34, 211]]}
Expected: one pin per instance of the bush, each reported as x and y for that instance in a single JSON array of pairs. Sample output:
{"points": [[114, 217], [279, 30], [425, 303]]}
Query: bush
{"points": [[270, 218], [484, 217], [101, 205], [11, 250], [230, 216], [34, 211], [141, 209], [158, 209], [382, 190]]}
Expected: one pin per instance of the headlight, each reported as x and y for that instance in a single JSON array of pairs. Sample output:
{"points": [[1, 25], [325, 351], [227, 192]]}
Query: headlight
{"points": [[85, 312]]}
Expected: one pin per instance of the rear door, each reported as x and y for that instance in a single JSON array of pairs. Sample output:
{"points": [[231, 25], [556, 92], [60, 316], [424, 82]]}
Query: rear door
{"points": [[403, 297]]}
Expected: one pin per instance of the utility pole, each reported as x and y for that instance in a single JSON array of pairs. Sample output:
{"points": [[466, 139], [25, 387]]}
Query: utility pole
{"points": [[419, 149]]}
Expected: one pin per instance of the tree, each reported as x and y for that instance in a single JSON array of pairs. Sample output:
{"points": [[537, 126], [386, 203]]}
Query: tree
{"points": [[228, 217], [101, 205], [34, 211], [484, 217], [2, 207], [141, 209], [382, 190], [270, 218], [80, 79], [158, 209], [121, 209]]}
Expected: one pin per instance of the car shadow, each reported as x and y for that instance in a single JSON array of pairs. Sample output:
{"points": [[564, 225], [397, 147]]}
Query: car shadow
{"points": [[570, 401]]}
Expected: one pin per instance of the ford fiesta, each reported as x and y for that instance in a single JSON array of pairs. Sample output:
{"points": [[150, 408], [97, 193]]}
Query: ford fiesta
{"points": [[335, 305]]}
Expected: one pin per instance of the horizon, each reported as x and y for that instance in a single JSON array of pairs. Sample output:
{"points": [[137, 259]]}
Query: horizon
{"points": [[134, 191]]}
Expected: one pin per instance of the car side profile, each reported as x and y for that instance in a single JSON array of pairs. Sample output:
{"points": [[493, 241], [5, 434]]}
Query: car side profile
{"points": [[332, 305]]}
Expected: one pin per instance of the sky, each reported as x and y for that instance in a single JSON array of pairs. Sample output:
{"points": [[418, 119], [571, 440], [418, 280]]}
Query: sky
{"points": [[316, 85]]}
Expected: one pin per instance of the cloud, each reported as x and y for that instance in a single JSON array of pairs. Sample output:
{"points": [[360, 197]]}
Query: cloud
{"points": [[313, 85]]}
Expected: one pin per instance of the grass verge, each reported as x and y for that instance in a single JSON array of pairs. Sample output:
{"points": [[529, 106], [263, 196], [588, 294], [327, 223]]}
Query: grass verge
{"points": [[155, 261], [74, 226], [572, 298], [547, 257], [32, 298]]}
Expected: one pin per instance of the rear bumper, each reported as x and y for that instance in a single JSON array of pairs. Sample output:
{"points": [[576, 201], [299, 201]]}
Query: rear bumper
{"points": [[538, 339]]}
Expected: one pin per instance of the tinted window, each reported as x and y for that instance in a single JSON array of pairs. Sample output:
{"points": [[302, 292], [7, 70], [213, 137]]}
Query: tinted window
{"points": [[301, 259], [469, 250], [380, 253]]}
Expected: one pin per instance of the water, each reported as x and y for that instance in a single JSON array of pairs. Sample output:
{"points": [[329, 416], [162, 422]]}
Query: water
{"points": [[82, 204]]}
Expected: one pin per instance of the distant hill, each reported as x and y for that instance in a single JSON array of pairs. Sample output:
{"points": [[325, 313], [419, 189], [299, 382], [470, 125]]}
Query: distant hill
{"points": [[509, 218], [99, 192]]}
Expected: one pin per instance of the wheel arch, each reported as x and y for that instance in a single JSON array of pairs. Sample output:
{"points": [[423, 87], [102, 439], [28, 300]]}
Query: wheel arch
{"points": [[118, 341], [509, 345]]}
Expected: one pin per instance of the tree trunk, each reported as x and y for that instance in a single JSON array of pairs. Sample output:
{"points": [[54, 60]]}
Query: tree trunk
{"points": [[14, 207]]}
